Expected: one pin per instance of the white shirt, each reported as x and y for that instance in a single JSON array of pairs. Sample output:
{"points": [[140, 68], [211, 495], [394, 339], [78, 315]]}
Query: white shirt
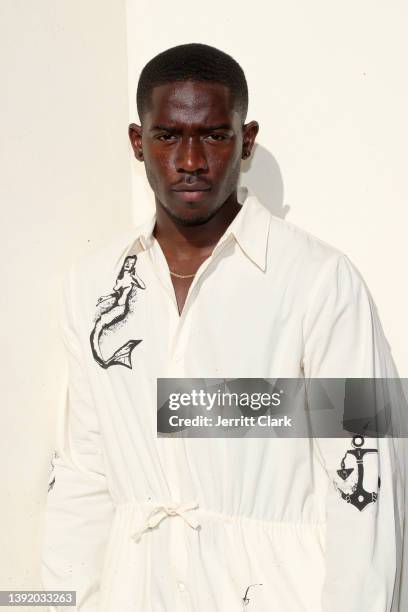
{"points": [[140, 523]]}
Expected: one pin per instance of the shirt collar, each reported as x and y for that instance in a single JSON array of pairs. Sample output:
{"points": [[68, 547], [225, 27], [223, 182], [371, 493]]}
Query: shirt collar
{"points": [[141, 239], [250, 228]]}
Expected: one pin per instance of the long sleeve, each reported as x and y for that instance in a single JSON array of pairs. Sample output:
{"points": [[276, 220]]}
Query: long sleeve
{"points": [[343, 338], [79, 509]]}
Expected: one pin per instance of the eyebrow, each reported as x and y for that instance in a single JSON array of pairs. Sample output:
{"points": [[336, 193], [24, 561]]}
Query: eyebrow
{"points": [[209, 128]]}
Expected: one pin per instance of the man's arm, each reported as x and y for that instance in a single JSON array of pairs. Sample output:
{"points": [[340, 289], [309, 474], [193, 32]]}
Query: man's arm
{"points": [[79, 508], [344, 339]]}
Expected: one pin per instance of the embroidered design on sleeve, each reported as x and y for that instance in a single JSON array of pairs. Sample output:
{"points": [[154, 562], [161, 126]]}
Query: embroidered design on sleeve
{"points": [[356, 494], [113, 309]]}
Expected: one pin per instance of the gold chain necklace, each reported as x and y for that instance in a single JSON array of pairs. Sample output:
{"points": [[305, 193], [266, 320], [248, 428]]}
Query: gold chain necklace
{"points": [[182, 275]]}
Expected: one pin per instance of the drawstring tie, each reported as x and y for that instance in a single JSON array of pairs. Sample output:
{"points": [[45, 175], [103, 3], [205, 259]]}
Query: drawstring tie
{"points": [[161, 511]]}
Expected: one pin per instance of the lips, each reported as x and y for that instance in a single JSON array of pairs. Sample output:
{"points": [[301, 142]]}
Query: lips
{"points": [[191, 188], [191, 195]]}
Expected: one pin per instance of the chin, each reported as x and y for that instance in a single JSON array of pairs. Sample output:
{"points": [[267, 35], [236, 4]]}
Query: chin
{"points": [[191, 215], [191, 220]]}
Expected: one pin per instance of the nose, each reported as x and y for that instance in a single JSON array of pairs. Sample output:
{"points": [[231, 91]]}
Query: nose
{"points": [[190, 156]]}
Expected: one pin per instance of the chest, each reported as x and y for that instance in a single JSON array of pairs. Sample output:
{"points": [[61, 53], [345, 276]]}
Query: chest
{"points": [[181, 288], [228, 320]]}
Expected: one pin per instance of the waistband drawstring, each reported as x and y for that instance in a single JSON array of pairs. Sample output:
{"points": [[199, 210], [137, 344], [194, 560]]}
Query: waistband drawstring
{"points": [[161, 511]]}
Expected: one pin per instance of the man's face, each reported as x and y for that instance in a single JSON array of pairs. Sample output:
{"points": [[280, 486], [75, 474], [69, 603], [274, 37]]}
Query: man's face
{"points": [[192, 141]]}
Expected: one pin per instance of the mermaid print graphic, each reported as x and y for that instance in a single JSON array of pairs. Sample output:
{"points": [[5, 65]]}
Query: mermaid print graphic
{"points": [[114, 308]]}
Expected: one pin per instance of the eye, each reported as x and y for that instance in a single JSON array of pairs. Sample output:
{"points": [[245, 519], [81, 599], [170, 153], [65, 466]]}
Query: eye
{"points": [[165, 137], [217, 137]]}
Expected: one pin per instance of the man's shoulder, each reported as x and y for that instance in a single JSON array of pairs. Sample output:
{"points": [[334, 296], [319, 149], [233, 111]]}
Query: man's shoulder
{"points": [[304, 239], [291, 243], [99, 264], [299, 256], [111, 250]]}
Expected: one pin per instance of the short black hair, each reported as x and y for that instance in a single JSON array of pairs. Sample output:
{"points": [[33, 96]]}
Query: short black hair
{"points": [[196, 62]]}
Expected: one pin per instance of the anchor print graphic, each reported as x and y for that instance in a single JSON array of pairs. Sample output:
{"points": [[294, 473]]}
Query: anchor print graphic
{"points": [[359, 497], [117, 308]]}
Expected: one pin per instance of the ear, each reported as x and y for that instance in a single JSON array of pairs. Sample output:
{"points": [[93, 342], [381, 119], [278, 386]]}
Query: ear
{"points": [[249, 132], [135, 137]]}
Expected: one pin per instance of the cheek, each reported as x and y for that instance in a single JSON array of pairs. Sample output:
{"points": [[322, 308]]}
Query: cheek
{"points": [[225, 159], [227, 164], [157, 165]]}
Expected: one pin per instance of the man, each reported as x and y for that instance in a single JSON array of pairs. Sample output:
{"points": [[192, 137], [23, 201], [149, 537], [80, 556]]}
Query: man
{"points": [[215, 287]]}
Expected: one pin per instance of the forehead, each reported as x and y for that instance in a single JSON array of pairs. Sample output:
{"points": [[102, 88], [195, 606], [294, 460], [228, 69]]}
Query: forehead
{"points": [[189, 102]]}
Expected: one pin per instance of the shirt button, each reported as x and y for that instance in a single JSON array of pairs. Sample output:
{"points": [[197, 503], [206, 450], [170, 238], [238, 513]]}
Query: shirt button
{"points": [[177, 357], [181, 586]]}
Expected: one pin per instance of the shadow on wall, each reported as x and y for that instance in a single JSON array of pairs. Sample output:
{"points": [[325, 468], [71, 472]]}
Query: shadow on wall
{"points": [[262, 175]]}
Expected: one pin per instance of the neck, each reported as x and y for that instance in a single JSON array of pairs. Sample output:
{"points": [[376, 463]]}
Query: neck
{"points": [[188, 241]]}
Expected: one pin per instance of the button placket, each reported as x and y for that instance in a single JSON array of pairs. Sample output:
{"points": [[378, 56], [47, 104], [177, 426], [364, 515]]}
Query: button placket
{"points": [[180, 559], [181, 323], [179, 331], [178, 324]]}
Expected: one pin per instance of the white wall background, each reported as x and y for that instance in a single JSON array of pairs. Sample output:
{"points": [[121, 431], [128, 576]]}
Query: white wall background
{"points": [[327, 86]]}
